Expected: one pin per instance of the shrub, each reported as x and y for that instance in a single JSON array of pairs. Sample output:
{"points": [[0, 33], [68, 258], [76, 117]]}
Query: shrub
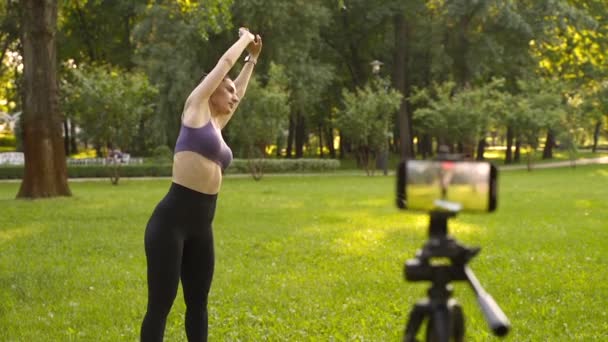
{"points": [[11, 172], [8, 141], [165, 170], [285, 165], [162, 155]]}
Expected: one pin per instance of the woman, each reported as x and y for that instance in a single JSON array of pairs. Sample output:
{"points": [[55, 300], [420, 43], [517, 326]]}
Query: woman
{"points": [[179, 239]]}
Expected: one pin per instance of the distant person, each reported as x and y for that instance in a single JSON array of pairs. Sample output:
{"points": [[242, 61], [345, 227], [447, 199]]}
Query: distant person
{"points": [[179, 238], [115, 156], [446, 172]]}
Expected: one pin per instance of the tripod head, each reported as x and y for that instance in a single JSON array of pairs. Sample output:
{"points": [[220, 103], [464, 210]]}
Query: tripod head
{"points": [[441, 246]]}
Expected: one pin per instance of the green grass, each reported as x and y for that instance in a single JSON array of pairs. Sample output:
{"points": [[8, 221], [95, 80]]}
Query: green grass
{"points": [[310, 258]]}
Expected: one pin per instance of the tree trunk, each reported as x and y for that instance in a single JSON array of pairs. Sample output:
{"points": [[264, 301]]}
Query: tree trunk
{"points": [[596, 135], [400, 82], [128, 18], [460, 147], [89, 39], [426, 148], [73, 144], [98, 152], [344, 147], [300, 135], [365, 160], [549, 144], [517, 157], [461, 66], [320, 141], [509, 153], [481, 147], [45, 173], [278, 142], [330, 143], [290, 136], [66, 137], [139, 142]]}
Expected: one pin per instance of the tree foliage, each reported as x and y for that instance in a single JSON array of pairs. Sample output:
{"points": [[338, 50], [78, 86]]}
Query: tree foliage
{"points": [[172, 46], [113, 108], [365, 119], [262, 117], [538, 108], [262, 114], [459, 116], [11, 62], [450, 49]]}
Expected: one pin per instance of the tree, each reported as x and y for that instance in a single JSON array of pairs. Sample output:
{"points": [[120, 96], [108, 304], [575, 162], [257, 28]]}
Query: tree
{"points": [[538, 109], [45, 164], [363, 31], [291, 31], [10, 63], [365, 119], [9, 29], [261, 118], [98, 31], [115, 108], [573, 50], [458, 119], [174, 45], [600, 108]]}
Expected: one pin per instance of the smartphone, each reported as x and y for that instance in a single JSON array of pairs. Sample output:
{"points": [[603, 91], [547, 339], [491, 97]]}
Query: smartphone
{"points": [[457, 186]]}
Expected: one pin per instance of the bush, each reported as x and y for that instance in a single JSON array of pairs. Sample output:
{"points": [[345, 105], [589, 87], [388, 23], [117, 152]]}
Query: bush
{"points": [[97, 171], [165, 170], [286, 165], [8, 141], [162, 155], [11, 172]]}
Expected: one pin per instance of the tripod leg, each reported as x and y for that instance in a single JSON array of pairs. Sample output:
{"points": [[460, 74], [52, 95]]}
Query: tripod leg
{"points": [[457, 320], [438, 329], [420, 310]]}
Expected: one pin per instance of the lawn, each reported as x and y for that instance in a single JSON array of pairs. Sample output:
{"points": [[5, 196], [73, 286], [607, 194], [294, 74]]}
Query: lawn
{"points": [[307, 258]]}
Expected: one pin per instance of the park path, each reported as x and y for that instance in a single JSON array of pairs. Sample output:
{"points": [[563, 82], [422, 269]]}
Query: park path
{"points": [[566, 163]]}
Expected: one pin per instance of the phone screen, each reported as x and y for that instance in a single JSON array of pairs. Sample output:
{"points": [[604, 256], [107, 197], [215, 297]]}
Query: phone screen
{"points": [[427, 185]]}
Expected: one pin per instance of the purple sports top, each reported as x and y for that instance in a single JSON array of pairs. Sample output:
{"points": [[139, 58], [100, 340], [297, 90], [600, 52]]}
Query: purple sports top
{"points": [[206, 141]]}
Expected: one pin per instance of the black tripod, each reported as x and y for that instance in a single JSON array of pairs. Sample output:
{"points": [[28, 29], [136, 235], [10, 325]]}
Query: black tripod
{"points": [[445, 315]]}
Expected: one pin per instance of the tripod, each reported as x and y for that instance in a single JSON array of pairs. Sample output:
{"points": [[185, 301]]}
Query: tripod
{"points": [[445, 315]]}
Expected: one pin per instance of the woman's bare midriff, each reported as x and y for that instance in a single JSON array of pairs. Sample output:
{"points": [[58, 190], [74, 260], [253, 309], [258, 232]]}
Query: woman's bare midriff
{"points": [[196, 172]]}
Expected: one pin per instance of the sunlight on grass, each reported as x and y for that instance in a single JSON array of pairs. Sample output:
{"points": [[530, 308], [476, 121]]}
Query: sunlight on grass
{"points": [[360, 242], [369, 202], [603, 173], [460, 227], [581, 204], [11, 234]]}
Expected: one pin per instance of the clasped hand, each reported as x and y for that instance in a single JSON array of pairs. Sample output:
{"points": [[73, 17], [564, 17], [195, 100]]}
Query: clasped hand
{"points": [[255, 46]]}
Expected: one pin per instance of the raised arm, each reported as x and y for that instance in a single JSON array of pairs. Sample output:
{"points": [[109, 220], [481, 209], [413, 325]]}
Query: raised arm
{"points": [[254, 48], [204, 90]]}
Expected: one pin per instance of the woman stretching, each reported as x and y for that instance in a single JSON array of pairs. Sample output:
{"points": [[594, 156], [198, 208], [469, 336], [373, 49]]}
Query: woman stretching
{"points": [[179, 238]]}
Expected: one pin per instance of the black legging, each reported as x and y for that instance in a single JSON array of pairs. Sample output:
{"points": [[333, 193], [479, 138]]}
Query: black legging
{"points": [[179, 243]]}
